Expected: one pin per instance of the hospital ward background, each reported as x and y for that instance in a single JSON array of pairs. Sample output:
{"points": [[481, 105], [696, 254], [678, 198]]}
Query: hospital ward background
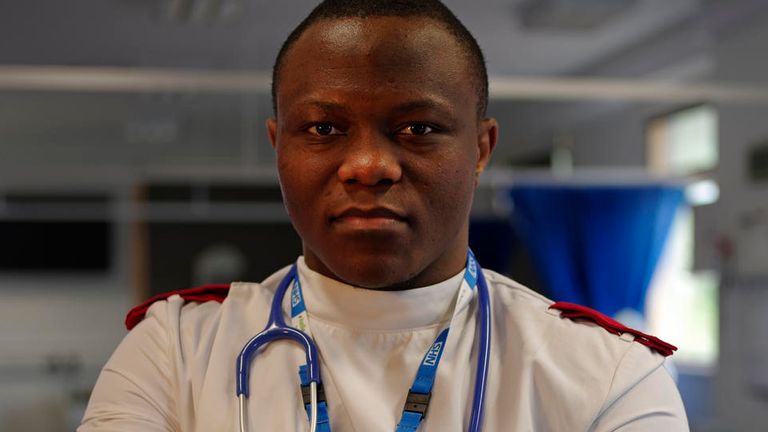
{"points": [[631, 176]]}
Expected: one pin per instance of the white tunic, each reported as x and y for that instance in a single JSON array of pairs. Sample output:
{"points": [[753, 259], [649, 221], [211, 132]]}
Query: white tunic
{"points": [[176, 370]]}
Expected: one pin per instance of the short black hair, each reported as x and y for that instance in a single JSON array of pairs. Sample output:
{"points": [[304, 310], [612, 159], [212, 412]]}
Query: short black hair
{"points": [[433, 9]]}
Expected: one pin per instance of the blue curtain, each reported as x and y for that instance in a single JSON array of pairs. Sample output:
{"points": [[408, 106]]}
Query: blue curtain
{"points": [[596, 245]]}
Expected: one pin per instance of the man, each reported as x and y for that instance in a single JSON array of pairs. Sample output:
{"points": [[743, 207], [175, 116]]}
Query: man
{"points": [[381, 135]]}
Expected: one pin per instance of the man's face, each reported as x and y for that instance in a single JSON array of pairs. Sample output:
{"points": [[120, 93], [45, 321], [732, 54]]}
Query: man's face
{"points": [[379, 148]]}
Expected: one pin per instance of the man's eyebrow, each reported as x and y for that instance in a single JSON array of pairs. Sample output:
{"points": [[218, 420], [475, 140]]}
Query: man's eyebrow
{"points": [[325, 105], [422, 104], [403, 108]]}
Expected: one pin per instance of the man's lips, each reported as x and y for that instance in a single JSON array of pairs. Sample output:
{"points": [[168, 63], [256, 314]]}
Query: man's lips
{"points": [[369, 218]]}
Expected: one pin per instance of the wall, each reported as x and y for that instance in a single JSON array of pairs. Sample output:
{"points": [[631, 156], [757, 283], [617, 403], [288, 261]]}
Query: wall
{"points": [[741, 403], [57, 330], [58, 321]]}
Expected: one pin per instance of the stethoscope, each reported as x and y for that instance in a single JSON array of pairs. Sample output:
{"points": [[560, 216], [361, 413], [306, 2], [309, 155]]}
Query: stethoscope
{"points": [[277, 329]]}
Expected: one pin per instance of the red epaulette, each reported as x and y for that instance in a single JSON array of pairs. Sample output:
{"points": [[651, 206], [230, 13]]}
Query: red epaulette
{"points": [[574, 311], [203, 293]]}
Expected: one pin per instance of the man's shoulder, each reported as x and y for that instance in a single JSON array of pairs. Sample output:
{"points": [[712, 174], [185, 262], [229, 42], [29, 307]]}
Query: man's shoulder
{"points": [[574, 353], [201, 294], [203, 302], [561, 326], [510, 291]]}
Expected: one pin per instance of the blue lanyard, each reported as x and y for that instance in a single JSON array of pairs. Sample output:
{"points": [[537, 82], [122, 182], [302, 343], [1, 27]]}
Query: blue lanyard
{"points": [[300, 320], [419, 394]]}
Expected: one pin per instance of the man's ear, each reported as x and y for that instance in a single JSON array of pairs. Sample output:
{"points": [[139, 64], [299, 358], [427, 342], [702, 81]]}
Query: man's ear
{"points": [[272, 131], [488, 134]]}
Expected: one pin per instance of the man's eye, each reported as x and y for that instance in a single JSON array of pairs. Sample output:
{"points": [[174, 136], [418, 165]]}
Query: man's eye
{"points": [[323, 129], [416, 129]]}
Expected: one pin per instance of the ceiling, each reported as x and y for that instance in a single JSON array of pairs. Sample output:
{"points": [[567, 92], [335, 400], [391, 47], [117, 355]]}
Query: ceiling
{"points": [[132, 133], [154, 33]]}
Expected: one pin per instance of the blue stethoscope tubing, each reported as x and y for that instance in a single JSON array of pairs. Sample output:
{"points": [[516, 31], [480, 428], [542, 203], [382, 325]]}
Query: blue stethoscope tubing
{"points": [[484, 353], [277, 329]]}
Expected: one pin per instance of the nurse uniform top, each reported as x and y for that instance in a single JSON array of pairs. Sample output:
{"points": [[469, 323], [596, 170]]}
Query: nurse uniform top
{"points": [[175, 370]]}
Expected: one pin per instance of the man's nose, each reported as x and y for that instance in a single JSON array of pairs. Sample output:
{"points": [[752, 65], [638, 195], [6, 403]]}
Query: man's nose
{"points": [[371, 159]]}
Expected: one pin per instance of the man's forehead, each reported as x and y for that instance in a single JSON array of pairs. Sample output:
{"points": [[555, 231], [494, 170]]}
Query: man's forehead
{"points": [[375, 36], [417, 57], [389, 51]]}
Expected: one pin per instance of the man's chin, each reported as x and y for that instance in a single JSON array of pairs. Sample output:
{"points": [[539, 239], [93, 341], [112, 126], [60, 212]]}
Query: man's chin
{"points": [[377, 273], [375, 279]]}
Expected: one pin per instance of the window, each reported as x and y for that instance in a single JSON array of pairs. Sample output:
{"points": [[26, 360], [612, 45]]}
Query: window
{"points": [[683, 302], [683, 143]]}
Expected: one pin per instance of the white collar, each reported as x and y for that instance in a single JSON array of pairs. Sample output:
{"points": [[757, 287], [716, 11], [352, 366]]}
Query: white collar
{"points": [[336, 302]]}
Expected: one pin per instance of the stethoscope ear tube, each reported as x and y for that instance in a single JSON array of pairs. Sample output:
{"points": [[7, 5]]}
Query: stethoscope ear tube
{"points": [[276, 329], [483, 354], [265, 337]]}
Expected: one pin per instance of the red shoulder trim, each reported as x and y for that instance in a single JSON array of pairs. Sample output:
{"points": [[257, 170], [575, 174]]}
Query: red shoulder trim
{"points": [[574, 311], [199, 294]]}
